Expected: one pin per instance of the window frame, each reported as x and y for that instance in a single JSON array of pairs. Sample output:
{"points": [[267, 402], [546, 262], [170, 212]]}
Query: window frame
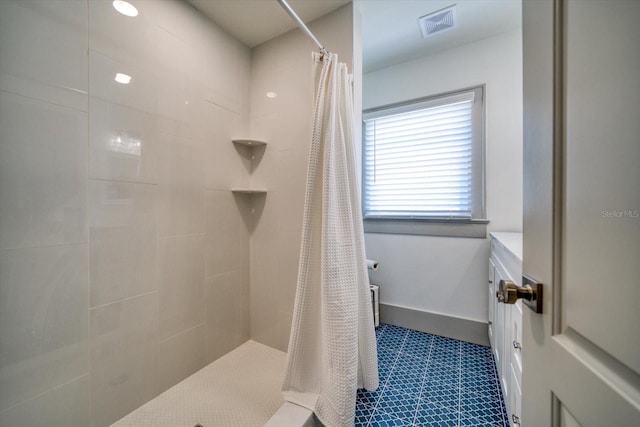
{"points": [[437, 226]]}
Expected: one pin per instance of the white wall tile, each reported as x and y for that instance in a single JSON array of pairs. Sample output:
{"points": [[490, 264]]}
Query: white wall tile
{"points": [[123, 143], [126, 39], [140, 93], [66, 405], [43, 170], [180, 356], [227, 239], [43, 48], [182, 282], [289, 257], [181, 193], [265, 172], [123, 248], [178, 58], [290, 188], [266, 127], [227, 313], [227, 166], [188, 97], [181, 20], [265, 283], [182, 108], [227, 74], [124, 357], [43, 320]]}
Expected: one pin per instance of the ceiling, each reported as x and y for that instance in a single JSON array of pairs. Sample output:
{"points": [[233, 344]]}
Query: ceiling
{"points": [[390, 31], [255, 21]]}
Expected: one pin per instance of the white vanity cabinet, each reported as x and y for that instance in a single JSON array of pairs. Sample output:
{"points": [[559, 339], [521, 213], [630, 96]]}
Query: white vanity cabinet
{"points": [[505, 320]]}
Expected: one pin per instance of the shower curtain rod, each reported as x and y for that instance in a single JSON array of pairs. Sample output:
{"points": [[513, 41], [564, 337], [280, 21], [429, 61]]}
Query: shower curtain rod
{"points": [[301, 24]]}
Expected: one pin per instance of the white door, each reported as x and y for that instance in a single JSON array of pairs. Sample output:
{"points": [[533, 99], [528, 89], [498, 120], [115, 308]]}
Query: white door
{"points": [[581, 357]]}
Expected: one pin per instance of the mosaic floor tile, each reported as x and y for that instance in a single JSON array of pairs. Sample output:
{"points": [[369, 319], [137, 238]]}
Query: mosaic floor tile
{"points": [[485, 386], [409, 363], [477, 406], [419, 349], [368, 397], [435, 415], [443, 373], [382, 419], [447, 343], [428, 380], [444, 356], [363, 415], [406, 380], [398, 403], [386, 356], [441, 394], [477, 363]]}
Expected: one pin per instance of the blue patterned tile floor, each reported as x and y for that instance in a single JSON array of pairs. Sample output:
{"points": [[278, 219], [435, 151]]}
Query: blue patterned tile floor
{"points": [[428, 380]]}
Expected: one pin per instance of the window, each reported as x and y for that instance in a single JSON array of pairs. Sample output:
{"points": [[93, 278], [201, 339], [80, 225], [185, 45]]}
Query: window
{"points": [[424, 165]]}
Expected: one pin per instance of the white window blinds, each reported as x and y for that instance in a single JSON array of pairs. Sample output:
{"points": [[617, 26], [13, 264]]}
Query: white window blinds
{"points": [[419, 159]]}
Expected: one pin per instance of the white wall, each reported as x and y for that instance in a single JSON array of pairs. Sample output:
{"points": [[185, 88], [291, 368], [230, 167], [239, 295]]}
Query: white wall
{"points": [[448, 275], [283, 65], [122, 270]]}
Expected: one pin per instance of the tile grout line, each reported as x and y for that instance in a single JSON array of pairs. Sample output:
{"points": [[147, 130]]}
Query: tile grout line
{"points": [[424, 379], [380, 386], [460, 384], [375, 407]]}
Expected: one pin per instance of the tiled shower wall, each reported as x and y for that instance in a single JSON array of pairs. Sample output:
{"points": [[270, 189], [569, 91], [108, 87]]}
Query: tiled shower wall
{"points": [[283, 65], [124, 257]]}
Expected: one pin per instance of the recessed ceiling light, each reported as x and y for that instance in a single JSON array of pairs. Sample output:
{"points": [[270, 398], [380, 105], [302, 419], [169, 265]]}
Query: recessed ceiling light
{"points": [[123, 78], [125, 8], [271, 95]]}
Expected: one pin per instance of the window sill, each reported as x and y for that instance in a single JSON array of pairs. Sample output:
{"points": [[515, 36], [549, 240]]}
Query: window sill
{"points": [[475, 228]]}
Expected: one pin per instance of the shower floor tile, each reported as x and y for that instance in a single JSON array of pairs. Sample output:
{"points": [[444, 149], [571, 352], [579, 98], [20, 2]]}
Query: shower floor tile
{"points": [[240, 389], [428, 380]]}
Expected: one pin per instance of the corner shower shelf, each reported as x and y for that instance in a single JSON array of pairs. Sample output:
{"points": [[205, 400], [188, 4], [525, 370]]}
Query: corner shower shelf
{"points": [[249, 190], [252, 150], [251, 143]]}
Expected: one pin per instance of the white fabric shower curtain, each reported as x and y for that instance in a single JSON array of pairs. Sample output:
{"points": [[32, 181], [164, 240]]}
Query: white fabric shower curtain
{"points": [[332, 346]]}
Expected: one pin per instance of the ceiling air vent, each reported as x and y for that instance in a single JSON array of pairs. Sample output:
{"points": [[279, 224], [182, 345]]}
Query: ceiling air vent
{"points": [[438, 21]]}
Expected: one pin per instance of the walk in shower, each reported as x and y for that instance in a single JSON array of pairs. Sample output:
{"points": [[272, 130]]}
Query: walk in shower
{"points": [[127, 260]]}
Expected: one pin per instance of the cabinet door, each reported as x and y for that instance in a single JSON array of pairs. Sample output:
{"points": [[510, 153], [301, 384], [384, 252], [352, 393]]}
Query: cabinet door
{"points": [[514, 350], [499, 336], [492, 303], [515, 399]]}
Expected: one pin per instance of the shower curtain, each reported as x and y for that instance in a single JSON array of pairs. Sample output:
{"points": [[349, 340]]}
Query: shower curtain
{"points": [[332, 346]]}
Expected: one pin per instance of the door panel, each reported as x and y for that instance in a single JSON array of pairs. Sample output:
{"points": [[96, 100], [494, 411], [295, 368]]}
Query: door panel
{"points": [[602, 159], [566, 419], [581, 357]]}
